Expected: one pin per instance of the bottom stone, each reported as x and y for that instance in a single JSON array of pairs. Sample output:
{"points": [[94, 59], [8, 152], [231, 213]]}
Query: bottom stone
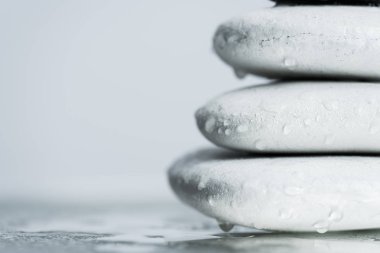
{"points": [[282, 193]]}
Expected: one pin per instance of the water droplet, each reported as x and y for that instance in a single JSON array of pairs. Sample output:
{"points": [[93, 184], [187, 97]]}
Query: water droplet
{"points": [[242, 128], [321, 227], [374, 128], [293, 190], [289, 62], [228, 36], [318, 118], [201, 185], [220, 41], [322, 230], [335, 216], [260, 145], [286, 129], [210, 201], [285, 214], [233, 36], [225, 226], [258, 226], [241, 74], [331, 105], [220, 131], [228, 132], [233, 204], [210, 125], [307, 122], [226, 122]]}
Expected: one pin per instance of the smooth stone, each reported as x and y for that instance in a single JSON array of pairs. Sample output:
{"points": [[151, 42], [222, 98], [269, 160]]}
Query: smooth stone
{"points": [[328, 2], [289, 193], [318, 42], [295, 117]]}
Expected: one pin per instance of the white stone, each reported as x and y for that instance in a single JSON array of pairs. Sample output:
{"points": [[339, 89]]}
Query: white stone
{"points": [[303, 42], [296, 117], [298, 193]]}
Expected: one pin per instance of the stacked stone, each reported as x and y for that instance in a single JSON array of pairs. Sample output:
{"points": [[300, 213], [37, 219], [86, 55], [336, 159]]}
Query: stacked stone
{"points": [[308, 143]]}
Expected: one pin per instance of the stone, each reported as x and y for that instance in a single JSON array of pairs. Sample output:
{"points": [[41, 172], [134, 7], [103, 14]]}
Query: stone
{"points": [[295, 117], [283, 193], [303, 42]]}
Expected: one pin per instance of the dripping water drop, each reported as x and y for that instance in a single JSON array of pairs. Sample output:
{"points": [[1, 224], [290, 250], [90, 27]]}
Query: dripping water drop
{"points": [[241, 74], [210, 125], [225, 226]]}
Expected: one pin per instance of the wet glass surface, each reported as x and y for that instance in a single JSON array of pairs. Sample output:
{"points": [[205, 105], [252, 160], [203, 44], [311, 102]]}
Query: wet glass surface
{"points": [[153, 228]]}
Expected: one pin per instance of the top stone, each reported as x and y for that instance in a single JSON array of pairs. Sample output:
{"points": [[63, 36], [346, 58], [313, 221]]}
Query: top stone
{"points": [[303, 42], [328, 2]]}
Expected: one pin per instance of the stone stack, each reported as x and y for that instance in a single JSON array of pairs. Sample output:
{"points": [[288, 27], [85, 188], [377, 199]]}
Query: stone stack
{"points": [[301, 151]]}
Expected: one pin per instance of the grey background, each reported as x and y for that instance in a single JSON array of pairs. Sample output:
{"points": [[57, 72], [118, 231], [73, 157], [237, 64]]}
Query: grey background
{"points": [[97, 97]]}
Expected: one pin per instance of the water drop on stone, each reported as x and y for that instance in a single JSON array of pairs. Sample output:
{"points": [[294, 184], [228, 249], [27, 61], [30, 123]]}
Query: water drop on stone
{"points": [[210, 125], [259, 144], [210, 201], [233, 204], [242, 128], [331, 105], [321, 227], [307, 122], [286, 129], [226, 122], [220, 131], [220, 41], [228, 132], [241, 74], [322, 230], [233, 36], [226, 227], [289, 62], [285, 214], [201, 185]]}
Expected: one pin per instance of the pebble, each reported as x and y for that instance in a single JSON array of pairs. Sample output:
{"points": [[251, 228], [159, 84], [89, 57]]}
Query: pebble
{"points": [[326, 120], [297, 193], [339, 42]]}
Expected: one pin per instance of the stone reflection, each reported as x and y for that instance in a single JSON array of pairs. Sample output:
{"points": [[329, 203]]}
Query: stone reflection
{"points": [[347, 242]]}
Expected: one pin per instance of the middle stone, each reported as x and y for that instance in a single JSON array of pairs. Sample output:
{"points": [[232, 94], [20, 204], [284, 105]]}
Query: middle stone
{"points": [[295, 117]]}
